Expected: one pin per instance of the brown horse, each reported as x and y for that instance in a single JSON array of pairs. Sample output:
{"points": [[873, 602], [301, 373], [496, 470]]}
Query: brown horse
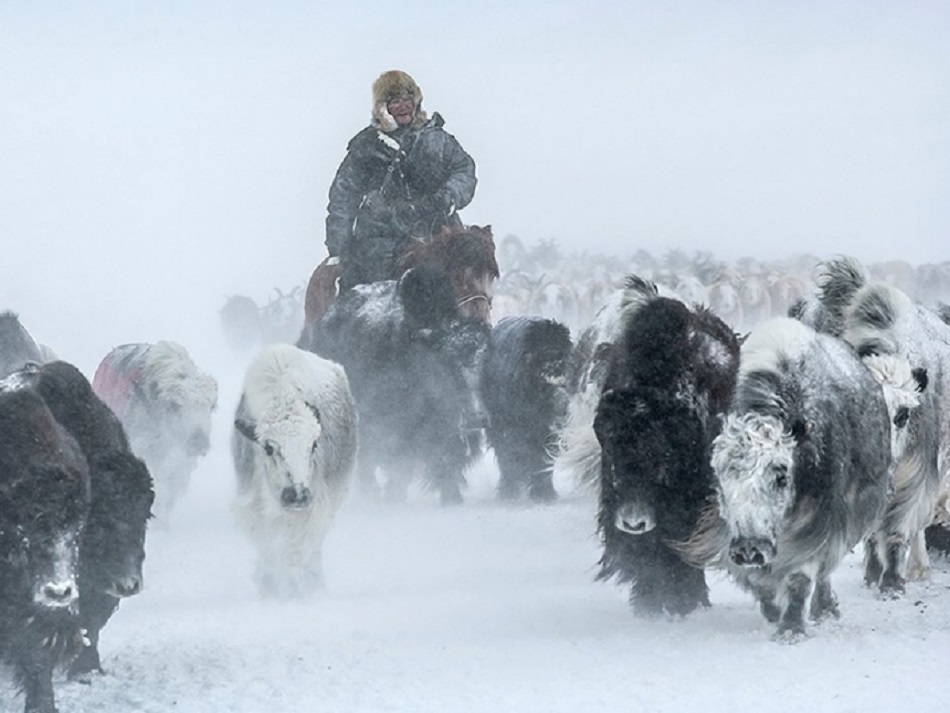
{"points": [[465, 253]]}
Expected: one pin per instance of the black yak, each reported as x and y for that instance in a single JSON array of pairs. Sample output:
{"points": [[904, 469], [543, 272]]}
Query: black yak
{"points": [[412, 361], [112, 548], [44, 502], [523, 388], [670, 376]]}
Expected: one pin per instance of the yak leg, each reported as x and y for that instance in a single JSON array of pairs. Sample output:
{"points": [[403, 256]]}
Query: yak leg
{"points": [[35, 675], [873, 566], [892, 581], [824, 603], [797, 588], [918, 566], [95, 610]]}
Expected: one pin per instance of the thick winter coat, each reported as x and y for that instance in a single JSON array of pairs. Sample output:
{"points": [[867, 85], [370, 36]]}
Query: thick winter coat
{"points": [[44, 502], [523, 388], [294, 451], [803, 467], [413, 363], [391, 186], [669, 379], [112, 548], [164, 402]]}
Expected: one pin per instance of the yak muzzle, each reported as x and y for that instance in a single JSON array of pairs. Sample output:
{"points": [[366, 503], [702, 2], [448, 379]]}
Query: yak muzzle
{"points": [[751, 553], [295, 498], [57, 595], [634, 519]]}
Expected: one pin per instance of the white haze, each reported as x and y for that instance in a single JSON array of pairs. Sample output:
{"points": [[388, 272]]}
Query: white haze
{"points": [[157, 157]]}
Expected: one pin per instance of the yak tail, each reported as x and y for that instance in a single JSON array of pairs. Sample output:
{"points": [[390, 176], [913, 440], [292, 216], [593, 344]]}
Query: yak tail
{"points": [[709, 542], [839, 280]]}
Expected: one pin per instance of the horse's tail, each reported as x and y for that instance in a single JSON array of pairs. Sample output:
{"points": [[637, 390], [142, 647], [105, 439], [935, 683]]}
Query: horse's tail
{"points": [[321, 292]]}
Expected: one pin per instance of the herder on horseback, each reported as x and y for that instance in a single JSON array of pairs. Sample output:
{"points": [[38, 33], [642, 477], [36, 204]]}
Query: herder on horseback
{"points": [[403, 177]]}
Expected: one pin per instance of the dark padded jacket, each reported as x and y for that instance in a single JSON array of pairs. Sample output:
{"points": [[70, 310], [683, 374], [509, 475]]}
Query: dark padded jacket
{"points": [[390, 187]]}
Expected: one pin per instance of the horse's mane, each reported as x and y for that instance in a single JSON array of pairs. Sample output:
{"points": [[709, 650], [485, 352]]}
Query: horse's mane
{"points": [[453, 250]]}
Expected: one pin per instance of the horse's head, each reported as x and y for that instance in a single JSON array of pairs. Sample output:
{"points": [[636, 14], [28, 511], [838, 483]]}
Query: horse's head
{"points": [[466, 254]]}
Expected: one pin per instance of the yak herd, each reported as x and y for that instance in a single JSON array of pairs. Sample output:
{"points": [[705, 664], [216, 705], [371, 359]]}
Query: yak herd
{"points": [[767, 450]]}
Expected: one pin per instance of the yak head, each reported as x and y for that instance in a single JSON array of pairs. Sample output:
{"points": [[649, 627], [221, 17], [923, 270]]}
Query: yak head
{"points": [[753, 460], [902, 386], [44, 501], [289, 442], [113, 542], [652, 462], [181, 398], [40, 545]]}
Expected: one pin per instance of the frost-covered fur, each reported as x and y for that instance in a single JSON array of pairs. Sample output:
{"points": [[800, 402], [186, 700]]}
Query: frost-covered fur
{"points": [[882, 320], [578, 452], [669, 380], [294, 451], [803, 470], [17, 348], [165, 403]]}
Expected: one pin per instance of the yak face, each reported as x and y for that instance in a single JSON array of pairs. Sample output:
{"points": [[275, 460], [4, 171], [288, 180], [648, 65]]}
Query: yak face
{"points": [[902, 386], [652, 448], [753, 460], [42, 545], [113, 542], [289, 445]]}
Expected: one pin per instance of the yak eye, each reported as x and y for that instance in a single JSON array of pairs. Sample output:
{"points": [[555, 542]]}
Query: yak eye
{"points": [[269, 449], [781, 476], [313, 448], [900, 419]]}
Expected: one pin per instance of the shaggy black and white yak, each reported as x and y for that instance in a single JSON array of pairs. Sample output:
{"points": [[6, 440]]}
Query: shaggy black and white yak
{"points": [[294, 449], [802, 466], [17, 348], [413, 364], [671, 376], [164, 402], [879, 320], [112, 548], [523, 389], [578, 452], [44, 501]]}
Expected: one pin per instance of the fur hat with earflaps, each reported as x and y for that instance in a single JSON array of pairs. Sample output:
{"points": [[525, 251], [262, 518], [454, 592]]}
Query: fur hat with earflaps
{"points": [[390, 85]]}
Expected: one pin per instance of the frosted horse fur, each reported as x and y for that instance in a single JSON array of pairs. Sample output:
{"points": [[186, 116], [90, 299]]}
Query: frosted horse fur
{"points": [[669, 380], [44, 501], [413, 361], [17, 348], [164, 402], [802, 469], [294, 451], [112, 548]]}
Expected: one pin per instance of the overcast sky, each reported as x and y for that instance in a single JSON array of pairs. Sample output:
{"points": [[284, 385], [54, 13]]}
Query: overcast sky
{"points": [[187, 147]]}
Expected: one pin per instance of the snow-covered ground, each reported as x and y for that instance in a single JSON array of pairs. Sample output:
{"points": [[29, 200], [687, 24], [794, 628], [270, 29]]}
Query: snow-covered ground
{"points": [[481, 608]]}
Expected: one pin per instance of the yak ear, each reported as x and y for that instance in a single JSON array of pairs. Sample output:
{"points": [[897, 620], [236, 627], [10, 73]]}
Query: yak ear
{"points": [[315, 411], [245, 429], [920, 376]]}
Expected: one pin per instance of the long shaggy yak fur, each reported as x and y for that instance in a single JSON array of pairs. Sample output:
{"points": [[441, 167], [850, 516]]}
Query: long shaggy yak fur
{"points": [[523, 387], [112, 548], [44, 502], [671, 375], [802, 469], [882, 320], [164, 402], [294, 451], [413, 362]]}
